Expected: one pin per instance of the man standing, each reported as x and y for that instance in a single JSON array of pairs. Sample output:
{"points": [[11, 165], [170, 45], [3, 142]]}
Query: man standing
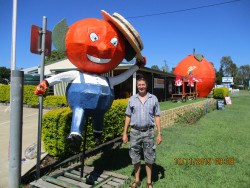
{"points": [[142, 114]]}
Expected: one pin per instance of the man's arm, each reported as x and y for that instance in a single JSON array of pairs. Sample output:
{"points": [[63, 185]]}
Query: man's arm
{"points": [[158, 125], [125, 131]]}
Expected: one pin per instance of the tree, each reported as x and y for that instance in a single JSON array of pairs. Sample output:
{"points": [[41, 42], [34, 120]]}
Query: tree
{"points": [[4, 74], [228, 67], [219, 76], [243, 74], [155, 67], [55, 55]]}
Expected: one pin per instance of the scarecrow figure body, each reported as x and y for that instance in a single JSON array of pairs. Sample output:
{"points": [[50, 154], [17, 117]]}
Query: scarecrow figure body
{"points": [[89, 95]]}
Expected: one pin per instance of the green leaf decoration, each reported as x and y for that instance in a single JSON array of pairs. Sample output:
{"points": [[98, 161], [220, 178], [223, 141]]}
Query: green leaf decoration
{"points": [[59, 35], [198, 57]]}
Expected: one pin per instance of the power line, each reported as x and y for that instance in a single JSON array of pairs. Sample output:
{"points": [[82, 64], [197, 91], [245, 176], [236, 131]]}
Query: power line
{"points": [[183, 10]]}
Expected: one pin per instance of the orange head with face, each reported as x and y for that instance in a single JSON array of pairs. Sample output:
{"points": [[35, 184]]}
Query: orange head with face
{"points": [[94, 45], [98, 46]]}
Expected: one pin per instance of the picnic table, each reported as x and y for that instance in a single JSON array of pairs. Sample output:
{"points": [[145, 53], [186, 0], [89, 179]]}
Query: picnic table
{"points": [[177, 97], [191, 95]]}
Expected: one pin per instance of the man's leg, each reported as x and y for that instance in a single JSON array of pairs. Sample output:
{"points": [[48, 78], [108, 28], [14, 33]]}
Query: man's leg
{"points": [[149, 155], [137, 182], [137, 168], [149, 173], [135, 154]]}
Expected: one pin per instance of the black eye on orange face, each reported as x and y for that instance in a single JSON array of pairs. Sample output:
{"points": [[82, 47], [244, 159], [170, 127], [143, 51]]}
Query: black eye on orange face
{"points": [[114, 41], [93, 37]]}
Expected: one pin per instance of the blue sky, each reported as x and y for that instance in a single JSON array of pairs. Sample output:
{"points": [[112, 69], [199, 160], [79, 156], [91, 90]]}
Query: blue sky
{"points": [[168, 32]]}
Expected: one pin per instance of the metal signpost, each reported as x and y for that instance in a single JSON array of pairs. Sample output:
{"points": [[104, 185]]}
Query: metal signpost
{"points": [[40, 44]]}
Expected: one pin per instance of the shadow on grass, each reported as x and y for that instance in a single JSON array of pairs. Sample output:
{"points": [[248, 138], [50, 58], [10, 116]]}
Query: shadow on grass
{"points": [[119, 158], [113, 160], [158, 172]]}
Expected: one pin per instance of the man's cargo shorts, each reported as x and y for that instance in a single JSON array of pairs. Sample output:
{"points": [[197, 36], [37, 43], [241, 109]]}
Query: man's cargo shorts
{"points": [[142, 141]]}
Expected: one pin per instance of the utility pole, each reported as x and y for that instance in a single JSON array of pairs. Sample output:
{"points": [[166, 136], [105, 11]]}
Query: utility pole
{"points": [[16, 112]]}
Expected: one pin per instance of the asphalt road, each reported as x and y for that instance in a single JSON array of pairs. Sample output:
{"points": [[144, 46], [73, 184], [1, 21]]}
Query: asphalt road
{"points": [[29, 137]]}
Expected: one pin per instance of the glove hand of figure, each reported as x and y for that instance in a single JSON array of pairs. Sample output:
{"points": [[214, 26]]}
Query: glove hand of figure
{"points": [[141, 63], [41, 88]]}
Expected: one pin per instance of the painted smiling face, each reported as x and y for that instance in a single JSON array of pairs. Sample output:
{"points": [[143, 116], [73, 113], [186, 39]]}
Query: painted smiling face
{"points": [[94, 46]]}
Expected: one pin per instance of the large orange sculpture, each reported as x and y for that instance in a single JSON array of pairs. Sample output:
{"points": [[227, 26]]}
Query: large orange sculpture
{"points": [[201, 70], [94, 46]]}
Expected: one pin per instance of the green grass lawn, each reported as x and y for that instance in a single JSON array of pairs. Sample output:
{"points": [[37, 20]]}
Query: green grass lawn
{"points": [[213, 152]]}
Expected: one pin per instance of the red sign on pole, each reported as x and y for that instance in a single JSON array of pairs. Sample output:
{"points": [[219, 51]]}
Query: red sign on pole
{"points": [[36, 41]]}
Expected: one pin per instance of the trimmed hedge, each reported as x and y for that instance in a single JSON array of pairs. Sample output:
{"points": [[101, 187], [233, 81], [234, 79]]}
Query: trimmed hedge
{"points": [[57, 123], [55, 127], [28, 95], [4, 93], [220, 93], [30, 98], [194, 114], [59, 101]]}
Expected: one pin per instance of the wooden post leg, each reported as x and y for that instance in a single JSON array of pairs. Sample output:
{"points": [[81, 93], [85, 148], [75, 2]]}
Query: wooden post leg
{"points": [[84, 146]]}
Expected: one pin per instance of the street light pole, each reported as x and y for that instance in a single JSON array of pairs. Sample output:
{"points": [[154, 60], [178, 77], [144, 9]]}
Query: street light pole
{"points": [[16, 112]]}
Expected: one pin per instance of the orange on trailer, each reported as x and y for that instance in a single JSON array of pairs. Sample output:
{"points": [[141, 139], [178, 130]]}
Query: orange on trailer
{"points": [[201, 69]]}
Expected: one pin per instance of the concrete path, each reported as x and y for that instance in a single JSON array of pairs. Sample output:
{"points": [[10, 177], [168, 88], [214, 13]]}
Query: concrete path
{"points": [[30, 127]]}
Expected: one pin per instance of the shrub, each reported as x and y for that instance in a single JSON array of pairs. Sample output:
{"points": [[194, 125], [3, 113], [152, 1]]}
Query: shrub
{"points": [[29, 96], [57, 123], [220, 93], [54, 131], [191, 116], [114, 119], [210, 106], [4, 93], [59, 101]]}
